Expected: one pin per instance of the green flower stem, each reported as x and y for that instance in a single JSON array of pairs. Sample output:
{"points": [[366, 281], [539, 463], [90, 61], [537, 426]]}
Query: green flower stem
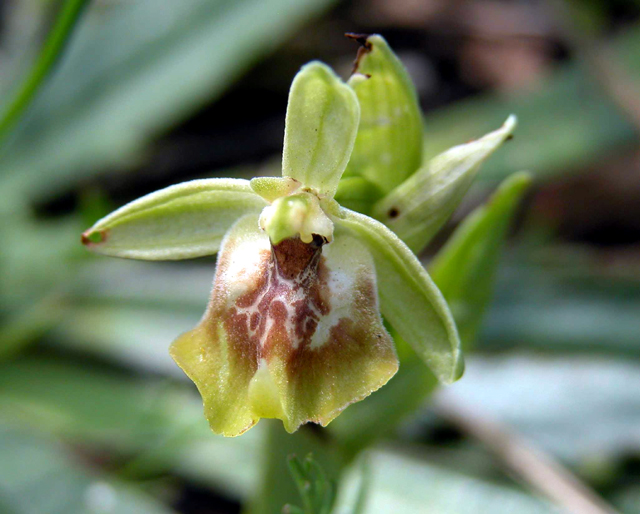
{"points": [[277, 488], [51, 50]]}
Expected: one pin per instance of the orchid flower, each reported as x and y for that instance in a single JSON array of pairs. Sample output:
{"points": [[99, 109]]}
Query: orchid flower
{"points": [[294, 327]]}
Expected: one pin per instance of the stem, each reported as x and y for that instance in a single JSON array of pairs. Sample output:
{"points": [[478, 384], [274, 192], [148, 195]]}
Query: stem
{"points": [[531, 464], [51, 50]]}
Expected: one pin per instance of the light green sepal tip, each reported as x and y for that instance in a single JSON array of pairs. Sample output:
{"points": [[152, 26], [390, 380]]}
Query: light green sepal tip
{"points": [[465, 268], [409, 299], [417, 208], [321, 126], [388, 148], [179, 222]]}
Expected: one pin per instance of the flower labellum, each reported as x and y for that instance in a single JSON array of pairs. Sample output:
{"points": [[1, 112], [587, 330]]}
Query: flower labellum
{"points": [[294, 329]]}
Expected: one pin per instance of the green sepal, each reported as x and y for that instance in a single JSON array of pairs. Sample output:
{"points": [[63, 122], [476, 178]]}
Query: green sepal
{"points": [[321, 127], [179, 222], [388, 148], [465, 268], [409, 299], [417, 208]]}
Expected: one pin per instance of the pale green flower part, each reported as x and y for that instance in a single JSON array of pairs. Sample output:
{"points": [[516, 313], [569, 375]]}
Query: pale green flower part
{"points": [[293, 329]]}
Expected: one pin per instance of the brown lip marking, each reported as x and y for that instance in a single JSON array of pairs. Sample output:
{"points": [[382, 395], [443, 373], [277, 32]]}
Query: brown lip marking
{"points": [[365, 48], [293, 256], [86, 240], [289, 268]]}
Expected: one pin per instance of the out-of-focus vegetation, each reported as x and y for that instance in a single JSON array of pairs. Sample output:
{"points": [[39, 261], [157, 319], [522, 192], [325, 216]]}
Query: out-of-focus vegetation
{"points": [[95, 417]]}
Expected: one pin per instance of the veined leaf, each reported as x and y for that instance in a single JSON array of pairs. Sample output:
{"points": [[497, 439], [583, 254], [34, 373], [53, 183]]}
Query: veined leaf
{"points": [[465, 268]]}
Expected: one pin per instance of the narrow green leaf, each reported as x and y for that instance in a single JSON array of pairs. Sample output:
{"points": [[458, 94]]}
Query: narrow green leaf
{"points": [[388, 148], [417, 208], [465, 268], [180, 222], [321, 127], [53, 47], [157, 63], [38, 475], [409, 299]]}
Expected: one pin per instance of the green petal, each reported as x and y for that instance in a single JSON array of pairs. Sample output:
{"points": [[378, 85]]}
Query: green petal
{"points": [[409, 299], [388, 148], [321, 126], [292, 333], [180, 222], [465, 268], [417, 208]]}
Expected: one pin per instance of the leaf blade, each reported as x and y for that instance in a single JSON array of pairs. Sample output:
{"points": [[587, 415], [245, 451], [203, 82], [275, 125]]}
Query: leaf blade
{"points": [[465, 268]]}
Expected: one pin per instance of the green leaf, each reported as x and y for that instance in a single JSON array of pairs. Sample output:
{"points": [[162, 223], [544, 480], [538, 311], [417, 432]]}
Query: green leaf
{"points": [[465, 268], [565, 125], [37, 475], [409, 299], [156, 63], [180, 222], [321, 126], [388, 148], [65, 21], [157, 422], [417, 208], [404, 483]]}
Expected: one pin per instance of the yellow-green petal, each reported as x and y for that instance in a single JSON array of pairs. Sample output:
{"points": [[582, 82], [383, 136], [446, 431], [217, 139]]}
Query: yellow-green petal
{"points": [[388, 147], [417, 208], [321, 126], [409, 299], [179, 222], [292, 332]]}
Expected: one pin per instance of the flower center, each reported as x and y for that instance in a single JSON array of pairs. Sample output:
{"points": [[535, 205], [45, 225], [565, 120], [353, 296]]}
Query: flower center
{"points": [[296, 216]]}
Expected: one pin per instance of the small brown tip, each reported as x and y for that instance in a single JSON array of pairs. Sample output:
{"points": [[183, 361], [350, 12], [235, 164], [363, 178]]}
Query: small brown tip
{"points": [[91, 237], [361, 39], [365, 48]]}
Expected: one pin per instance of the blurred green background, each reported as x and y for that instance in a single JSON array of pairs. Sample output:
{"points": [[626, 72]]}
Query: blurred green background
{"points": [[94, 415]]}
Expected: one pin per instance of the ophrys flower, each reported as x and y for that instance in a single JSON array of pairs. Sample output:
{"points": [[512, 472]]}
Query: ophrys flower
{"points": [[293, 329]]}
